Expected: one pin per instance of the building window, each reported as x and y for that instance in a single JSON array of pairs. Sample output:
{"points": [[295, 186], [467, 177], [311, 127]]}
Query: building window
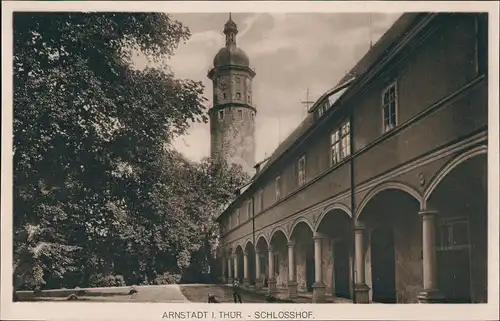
{"points": [[237, 217], [239, 114], [453, 234], [249, 209], [278, 188], [238, 96], [340, 143], [389, 108], [302, 170], [230, 223], [221, 114], [261, 201]]}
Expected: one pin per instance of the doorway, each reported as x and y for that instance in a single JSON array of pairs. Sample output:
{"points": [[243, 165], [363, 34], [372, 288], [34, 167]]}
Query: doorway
{"points": [[341, 269], [310, 268], [383, 266]]}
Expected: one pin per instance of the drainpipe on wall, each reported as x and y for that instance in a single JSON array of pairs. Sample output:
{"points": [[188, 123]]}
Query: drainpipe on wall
{"points": [[353, 205]]}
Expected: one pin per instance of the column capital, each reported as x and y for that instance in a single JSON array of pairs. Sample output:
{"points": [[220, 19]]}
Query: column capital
{"points": [[245, 253], [359, 227], [270, 248], [318, 236], [291, 244], [428, 213]]}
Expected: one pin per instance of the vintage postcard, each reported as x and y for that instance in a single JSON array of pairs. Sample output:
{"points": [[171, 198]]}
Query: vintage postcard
{"points": [[249, 160]]}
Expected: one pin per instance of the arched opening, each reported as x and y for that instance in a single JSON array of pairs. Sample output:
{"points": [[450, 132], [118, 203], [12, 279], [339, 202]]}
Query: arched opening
{"points": [[337, 226], [302, 235], [262, 249], [462, 231], [394, 257], [239, 262], [249, 250], [280, 258]]}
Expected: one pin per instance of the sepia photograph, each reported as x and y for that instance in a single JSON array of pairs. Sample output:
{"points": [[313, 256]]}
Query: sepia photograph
{"points": [[246, 156]]}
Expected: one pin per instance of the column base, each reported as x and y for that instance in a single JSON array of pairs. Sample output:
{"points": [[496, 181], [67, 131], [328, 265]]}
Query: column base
{"points": [[258, 283], [230, 280], [319, 290], [272, 286], [431, 296], [361, 293], [292, 289]]}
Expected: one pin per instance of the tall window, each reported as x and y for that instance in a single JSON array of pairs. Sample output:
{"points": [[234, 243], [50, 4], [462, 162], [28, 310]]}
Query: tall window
{"points": [[302, 170], [249, 209], [237, 217], [278, 188], [340, 143], [230, 223], [221, 114], [240, 114], [261, 201], [389, 107]]}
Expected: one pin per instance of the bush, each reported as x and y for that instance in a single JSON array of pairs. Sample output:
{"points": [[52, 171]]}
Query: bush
{"points": [[98, 280], [167, 278]]}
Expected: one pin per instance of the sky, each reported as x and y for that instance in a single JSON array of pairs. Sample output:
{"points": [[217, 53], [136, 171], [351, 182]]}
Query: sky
{"points": [[290, 53]]}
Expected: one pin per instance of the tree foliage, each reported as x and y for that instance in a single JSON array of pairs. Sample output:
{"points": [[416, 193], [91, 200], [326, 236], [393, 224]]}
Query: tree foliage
{"points": [[98, 190]]}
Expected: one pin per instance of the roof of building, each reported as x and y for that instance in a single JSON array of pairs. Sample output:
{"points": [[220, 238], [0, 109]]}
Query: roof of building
{"points": [[231, 55], [390, 38]]}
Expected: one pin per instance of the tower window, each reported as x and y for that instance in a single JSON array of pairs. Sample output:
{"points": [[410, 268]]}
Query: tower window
{"points": [[238, 80], [249, 99], [221, 114], [240, 114], [238, 96], [224, 96]]}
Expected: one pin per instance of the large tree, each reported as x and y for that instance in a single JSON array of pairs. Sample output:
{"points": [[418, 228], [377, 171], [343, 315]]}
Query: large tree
{"points": [[97, 188]]}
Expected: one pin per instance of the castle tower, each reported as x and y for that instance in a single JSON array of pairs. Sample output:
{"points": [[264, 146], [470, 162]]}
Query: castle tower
{"points": [[232, 117]]}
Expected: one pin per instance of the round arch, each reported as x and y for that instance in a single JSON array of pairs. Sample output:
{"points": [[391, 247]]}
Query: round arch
{"points": [[279, 229], [386, 186], [483, 149], [263, 237], [247, 242], [297, 222], [329, 208]]}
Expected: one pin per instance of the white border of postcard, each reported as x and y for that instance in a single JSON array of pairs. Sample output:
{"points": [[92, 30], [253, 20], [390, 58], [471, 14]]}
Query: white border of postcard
{"points": [[155, 311]]}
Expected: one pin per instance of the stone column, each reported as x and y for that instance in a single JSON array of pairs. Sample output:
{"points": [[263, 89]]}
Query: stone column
{"points": [[230, 268], [292, 283], [245, 269], [430, 294], [272, 278], [235, 262], [258, 276], [318, 286], [361, 289]]}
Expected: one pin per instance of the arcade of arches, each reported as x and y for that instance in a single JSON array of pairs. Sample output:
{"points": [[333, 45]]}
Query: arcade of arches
{"points": [[403, 247]]}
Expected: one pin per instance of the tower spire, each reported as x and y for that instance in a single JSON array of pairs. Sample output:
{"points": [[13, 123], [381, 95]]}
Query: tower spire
{"points": [[230, 30]]}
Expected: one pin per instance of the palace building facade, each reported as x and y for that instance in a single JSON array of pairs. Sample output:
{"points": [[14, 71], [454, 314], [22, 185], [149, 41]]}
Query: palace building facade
{"points": [[380, 194]]}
